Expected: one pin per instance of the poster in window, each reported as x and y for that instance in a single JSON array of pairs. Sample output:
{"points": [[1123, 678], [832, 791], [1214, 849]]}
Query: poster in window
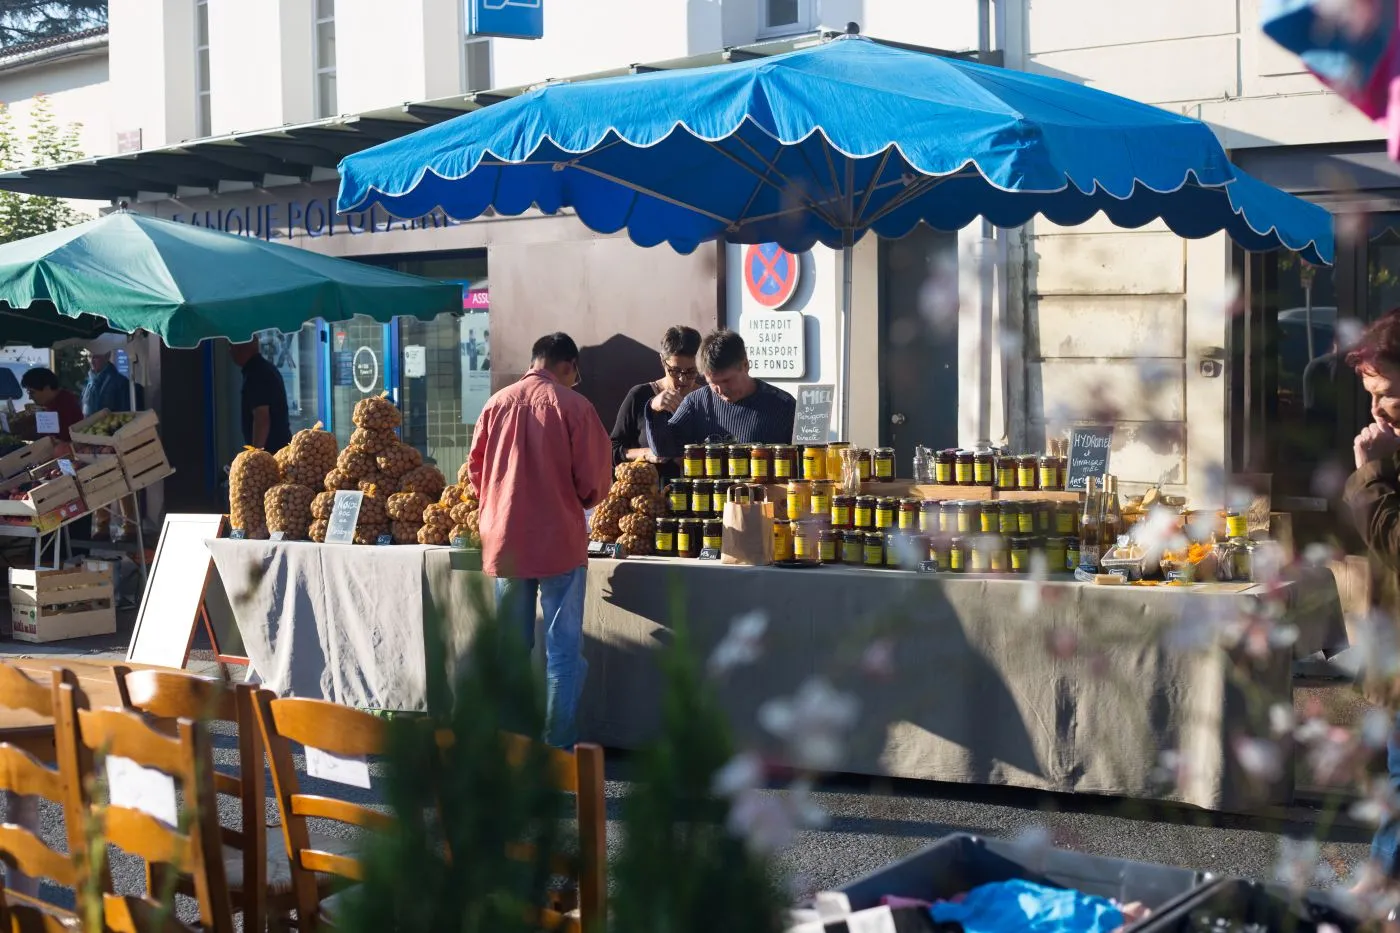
{"points": [[474, 344], [283, 351]]}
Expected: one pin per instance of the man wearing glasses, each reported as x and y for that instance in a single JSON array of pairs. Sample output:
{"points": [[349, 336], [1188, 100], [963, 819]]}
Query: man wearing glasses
{"points": [[678, 348], [737, 408], [540, 458]]}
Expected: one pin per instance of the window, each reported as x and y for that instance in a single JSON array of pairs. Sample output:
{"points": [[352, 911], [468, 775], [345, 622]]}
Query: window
{"points": [[203, 118], [325, 59], [784, 17], [476, 62]]}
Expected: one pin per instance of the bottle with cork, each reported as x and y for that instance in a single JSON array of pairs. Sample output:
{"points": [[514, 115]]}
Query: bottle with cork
{"points": [[1090, 527], [1111, 523]]}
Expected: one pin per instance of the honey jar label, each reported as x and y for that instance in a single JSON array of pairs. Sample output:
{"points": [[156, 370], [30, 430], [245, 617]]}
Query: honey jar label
{"points": [[828, 552], [1064, 523], [1026, 522], [759, 469], [943, 473], [719, 502], [982, 473], [739, 468], [682, 542], [999, 561], [874, 556], [963, 473], [883, 519], [694, 469], [863, 468], [820, 504], [714, 541], [907, 521], [884, 469], [990, 523], [1006, 477], [979, 560], [1236, 526], [863, 517], [1025, 477], [965, 523], [1020, 559], [714, 467], [700, 503], [1008, 525], [1071, 558], [840, 515], [955, 560], [680, 502], [1049, 478], [928, 522], [782, 469], [665, 541]]}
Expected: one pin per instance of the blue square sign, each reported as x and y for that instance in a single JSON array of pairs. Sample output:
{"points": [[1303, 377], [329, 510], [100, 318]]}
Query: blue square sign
{"points": [[509, 19]]}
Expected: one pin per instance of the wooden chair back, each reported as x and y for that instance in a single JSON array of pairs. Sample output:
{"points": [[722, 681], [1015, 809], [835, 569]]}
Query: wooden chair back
{"points": [[329, 727], [23, 851], [192, 849], [169, 696]]}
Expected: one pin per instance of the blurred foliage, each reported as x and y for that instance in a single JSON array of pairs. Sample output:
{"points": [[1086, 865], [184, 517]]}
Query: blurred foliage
{"points": [[25, 21], [47, 143]]}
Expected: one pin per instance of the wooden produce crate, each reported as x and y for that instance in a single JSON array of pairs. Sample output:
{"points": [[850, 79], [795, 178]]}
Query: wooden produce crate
{"points": [[102, 481], [144, 461], [51, 605], [46, 506], [27, 457], [131, 435]]}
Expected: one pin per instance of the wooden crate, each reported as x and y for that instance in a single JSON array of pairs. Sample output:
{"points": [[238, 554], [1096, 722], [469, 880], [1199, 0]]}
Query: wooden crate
{"points": [[27, 457], [51, 605], [102, 482], [144, 461], [132, 435], [46, 505]]}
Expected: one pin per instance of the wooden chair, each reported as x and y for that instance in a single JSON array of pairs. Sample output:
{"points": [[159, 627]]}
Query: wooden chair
{"points": [[579, 773], [258, 880], [193, 850], [341, 731]]}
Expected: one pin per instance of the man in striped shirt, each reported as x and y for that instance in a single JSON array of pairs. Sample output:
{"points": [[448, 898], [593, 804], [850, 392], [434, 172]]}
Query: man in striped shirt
{"points": [[736, 408]]}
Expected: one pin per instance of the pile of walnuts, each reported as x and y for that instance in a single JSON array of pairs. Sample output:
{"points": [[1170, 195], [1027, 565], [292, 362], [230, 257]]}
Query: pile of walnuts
{"points": [[628, 515], [308, 458], [253, 473]]}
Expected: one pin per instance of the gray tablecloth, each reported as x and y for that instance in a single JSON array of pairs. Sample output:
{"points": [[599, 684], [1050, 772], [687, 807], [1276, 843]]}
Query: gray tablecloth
{"points": [[1080, 689]]}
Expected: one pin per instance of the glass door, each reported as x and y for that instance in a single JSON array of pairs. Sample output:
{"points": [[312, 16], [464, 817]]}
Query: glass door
{"points": [[359, 368]]}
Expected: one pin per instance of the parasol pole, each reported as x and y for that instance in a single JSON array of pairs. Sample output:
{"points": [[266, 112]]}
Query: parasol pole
{"points": [[847, 264]]}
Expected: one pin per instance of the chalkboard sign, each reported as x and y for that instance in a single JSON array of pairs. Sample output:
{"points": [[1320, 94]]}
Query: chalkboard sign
{"points": [[345, 512], [1089, 446], [813, 422]]}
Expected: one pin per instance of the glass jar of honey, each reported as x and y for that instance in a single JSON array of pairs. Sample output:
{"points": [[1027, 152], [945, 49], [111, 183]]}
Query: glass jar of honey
{"points": [[1020, 554], [1027, 472], [760, 463], [908, 514], [929, 511], [875, 549], [917, 549], [895, 545], [1044, 517], [678, 497], [1236, 525], [712, 534], [722, 487], [983, 468], [957, 555], [829, 546], [865, 464], [716, 461], [814, 462], [990, 518], [702, 492], [804, 542], [865, 512], [739, 461], [945, 467], [948, 517], [821, 500], [883, 464], [885, 510], [938, 551], [853, 548], [969, 518], [1066, 518], [1006, 472], [1051, 477], [843, 509], [979, 554], [688, 540], [784, 462], [1055, 555], [964, 470], [1009, 521], [693, 463], [665, 542], [998, 556], [1071, 553], [782, 540], [799, 499], [835, 459], [1026, 518]]}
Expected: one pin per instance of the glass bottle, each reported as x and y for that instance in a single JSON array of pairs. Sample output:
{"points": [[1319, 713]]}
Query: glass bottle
{"points": [[1111, 526], [1090, 526]]}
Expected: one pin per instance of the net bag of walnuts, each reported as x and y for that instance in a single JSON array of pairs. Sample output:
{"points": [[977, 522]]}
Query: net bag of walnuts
{"points": [[376, 414], [426, 479], [310, 456], [399, 460], [408, 507], [356, 462], [318, 530], [252, 474], [322, 505], [371, 441], [288, 509]]}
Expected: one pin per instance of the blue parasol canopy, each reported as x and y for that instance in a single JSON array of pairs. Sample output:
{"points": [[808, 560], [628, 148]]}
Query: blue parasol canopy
{"points": [[823, 144]]}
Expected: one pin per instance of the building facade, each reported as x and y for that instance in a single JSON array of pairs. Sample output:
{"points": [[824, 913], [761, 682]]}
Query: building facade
{"points": [[1189, 347]]}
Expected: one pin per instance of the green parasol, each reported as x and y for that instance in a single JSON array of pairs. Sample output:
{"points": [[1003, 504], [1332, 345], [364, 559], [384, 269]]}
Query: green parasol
{"points": [[127, 272]]}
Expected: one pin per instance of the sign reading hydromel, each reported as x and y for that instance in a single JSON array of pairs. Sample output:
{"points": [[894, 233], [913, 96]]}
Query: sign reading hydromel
{"points": [[315, 217]]}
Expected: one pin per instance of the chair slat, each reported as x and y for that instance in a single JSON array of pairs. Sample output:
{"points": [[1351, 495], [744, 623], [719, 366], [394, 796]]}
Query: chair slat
{"points": [[343, 811], [22, 773], [563, 768], [329, 726], [19, 691], [330, 863], [32, 857], [31, 918], [176, 695], [141, 834], [227, 784], [139, 915], [115, 732]]}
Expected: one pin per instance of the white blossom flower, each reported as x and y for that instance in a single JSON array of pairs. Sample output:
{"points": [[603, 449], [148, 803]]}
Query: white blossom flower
{"points": [[762, 821], [1376, 727], [1318, 554], [1281, 719], [1348, 333], [1300, 865], [744, 771], [1260, 758], [813, 723], [878, 659], [743, 644], [1329, 478]]}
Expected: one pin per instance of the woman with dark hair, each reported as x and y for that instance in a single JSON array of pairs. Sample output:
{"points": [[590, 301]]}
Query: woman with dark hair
{"points": [[678, 348], [1372, 495]]}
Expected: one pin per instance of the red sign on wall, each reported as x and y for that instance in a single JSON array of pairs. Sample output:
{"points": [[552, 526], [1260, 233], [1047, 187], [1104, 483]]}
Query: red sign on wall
{"points": [[770, 274]]}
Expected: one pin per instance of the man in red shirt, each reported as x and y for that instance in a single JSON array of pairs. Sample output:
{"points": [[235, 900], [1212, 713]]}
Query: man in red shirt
{"points": [[42, 386], [540, 457]]}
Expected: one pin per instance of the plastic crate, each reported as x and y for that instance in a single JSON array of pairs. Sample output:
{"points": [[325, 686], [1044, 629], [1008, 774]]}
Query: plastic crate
{"points": [[1252, 905], [961, 862]]}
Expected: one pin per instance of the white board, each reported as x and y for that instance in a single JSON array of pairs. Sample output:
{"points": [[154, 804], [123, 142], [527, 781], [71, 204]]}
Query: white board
{"points": [[170, 605]]}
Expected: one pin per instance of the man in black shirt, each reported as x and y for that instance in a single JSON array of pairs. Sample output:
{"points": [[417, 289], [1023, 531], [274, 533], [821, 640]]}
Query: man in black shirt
{"points": [[266, 423]]}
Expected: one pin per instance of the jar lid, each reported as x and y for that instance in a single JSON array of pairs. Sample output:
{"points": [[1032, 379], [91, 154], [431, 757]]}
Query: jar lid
{"points": [[909, 500], [689, 521], [663, 520], [885, 450], [743, 447], [930, 505], [878, 536]]}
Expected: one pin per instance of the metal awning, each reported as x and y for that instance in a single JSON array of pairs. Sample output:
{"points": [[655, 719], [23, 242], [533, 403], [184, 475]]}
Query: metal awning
{"points": [[311, 151]]}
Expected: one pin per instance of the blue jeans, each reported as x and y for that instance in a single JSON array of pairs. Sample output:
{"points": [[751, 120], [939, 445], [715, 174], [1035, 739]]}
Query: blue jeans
{"points": [[561, 598], [1385, 847]]}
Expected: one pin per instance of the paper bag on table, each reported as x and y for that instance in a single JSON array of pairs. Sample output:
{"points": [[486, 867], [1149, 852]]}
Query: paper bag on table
{"points": [[748, 527]]}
